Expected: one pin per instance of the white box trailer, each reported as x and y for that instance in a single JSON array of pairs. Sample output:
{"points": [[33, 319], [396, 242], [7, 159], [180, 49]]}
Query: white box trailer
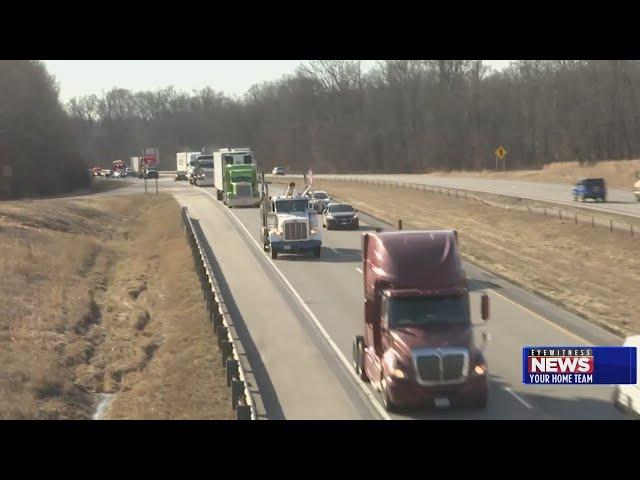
{"points": [[136, 164], [183, 160]]}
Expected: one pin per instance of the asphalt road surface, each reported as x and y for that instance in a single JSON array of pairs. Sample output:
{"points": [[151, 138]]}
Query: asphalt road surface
{"points": [[618, 201], [297, 341]]}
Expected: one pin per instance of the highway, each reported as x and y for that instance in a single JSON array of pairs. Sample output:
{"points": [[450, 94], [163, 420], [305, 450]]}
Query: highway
{"points": [[618, 201], [301, 314]]}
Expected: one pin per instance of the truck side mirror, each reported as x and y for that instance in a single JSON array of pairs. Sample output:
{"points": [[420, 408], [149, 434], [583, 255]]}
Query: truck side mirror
{"points": [[271, 220], [485, 307]]}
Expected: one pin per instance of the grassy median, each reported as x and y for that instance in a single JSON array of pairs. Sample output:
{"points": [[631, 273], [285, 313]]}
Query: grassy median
{"points": [[99, 296], [591, 272]]}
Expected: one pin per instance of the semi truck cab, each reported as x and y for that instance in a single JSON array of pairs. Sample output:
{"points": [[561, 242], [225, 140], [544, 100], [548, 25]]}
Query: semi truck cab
{"points": [[419, 346], [241, 186], [290, 225]]}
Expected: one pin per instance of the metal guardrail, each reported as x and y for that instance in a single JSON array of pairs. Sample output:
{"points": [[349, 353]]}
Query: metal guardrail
{"points": [[241, 400], [461, 193]]}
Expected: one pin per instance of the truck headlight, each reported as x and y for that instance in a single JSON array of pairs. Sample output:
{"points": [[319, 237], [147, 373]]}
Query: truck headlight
{"points": [[313, 231], [480, 369]]}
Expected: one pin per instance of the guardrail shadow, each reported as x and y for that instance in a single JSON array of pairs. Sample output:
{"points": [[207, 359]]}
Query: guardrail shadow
{"points": [[268, 394]]}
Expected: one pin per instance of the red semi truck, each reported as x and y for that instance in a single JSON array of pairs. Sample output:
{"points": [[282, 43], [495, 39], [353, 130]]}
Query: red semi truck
{"points": [[419, 346], [119, 166]]}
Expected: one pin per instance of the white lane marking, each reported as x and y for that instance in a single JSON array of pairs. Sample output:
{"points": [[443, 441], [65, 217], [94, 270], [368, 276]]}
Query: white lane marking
{"points": [[347, 365], [519, 398], [359, 270]]}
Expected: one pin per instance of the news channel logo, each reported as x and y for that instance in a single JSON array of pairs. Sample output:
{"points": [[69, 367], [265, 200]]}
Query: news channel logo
{"points": [[579, 365]]}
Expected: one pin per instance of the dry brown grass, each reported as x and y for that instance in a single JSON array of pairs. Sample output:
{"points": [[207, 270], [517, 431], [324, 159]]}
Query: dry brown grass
{"points": [[618, 173], [87, 307], [593, 273]]}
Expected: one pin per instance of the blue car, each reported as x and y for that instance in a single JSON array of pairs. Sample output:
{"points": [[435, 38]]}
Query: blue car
{"points": [[593, 188]]}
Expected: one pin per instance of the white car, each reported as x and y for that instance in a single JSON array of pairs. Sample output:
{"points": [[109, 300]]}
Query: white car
{"points": [[106, 172], [627, 397], [117, 174], [278, 171]]}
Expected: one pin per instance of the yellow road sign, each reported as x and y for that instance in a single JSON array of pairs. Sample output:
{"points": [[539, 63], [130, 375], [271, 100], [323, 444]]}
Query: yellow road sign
{"points": [[501, 152]]}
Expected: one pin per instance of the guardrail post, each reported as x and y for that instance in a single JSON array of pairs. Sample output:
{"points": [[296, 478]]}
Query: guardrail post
{"points": [[400, 224], [237, 389], [226, 350], [232, 370], [611, 225], [560, 213], [632, 230], [244, 412], [216, 320], [576, 218], [593, 222], [222, 335]]}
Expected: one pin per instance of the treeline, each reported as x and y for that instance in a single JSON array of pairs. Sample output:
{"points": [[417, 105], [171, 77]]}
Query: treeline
{"points": [[37, 141], [410, 116]]}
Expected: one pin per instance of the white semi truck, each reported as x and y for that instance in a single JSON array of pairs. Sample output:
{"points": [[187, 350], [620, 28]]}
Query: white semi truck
{"points": [[289, 223], [136, 165], [203, 172], [192, 164]]}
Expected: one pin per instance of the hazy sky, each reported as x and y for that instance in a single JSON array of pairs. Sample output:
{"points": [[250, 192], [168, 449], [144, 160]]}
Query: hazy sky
{"points": [[233, 77]]}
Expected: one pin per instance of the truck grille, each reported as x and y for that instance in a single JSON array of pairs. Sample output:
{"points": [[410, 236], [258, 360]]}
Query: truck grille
{"points": [[295, 231], [436, 366], [243, 190]]}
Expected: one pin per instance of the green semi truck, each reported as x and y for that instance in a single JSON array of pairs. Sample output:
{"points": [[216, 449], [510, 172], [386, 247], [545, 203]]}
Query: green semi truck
{"points": [[235, 177]]}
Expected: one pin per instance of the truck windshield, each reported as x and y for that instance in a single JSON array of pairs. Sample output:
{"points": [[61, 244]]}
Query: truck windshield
{"points": [[419, 311], [241, 178], [288, 206], [340, 209], [205, 163], [320, 195], [593, 182]]}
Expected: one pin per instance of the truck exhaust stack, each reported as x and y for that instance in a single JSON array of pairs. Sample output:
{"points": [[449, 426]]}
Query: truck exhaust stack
{"points": [[289, 192]]}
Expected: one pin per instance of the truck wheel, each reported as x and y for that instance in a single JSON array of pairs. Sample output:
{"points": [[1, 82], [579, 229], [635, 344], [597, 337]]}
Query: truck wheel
{"points": [[317, 251], [274, 253], [358, 358]]}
